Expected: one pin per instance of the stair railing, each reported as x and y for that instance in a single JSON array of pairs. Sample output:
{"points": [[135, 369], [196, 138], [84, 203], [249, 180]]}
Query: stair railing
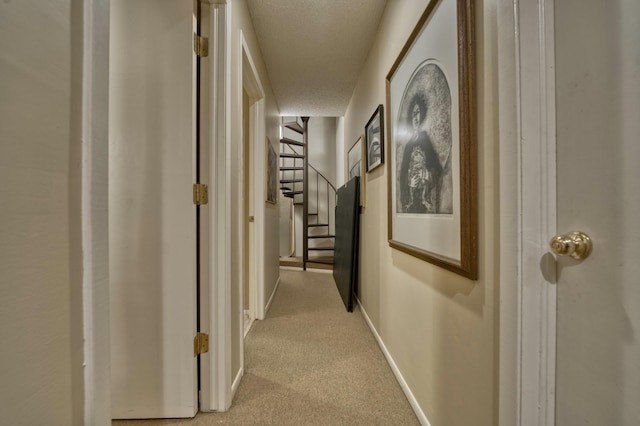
{"points": [[305, 195], [324, 213], [324, 191]]}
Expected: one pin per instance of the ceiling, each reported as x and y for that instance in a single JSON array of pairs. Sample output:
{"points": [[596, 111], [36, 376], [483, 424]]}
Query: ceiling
{"points": [[314, 50]]}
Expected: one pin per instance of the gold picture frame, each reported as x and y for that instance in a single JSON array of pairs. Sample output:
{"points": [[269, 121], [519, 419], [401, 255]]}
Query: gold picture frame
{"points": [[431, 141]]}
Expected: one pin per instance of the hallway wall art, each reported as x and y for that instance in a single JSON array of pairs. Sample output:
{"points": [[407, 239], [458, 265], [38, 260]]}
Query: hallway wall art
{"points": [[431, 116], [374, 137], [356, 167], [272, 174]]}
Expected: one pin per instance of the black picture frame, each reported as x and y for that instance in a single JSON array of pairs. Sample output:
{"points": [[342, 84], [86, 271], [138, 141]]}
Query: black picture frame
{"points": [[271, 184], [374, 139]]}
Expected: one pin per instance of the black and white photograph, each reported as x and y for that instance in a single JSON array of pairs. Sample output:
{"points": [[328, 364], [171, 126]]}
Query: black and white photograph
{"points": [[272, 174], [423, 144], [355, 165], [431, 138], [374, 138], [355, 159]]}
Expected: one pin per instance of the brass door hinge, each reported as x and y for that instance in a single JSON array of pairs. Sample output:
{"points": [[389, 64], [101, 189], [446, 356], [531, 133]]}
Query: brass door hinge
{"points": [[200, 45], [200, 194], [200, 344]]}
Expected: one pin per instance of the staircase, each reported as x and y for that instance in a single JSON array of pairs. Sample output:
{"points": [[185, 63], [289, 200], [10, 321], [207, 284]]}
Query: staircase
{"points": [[313, 195]]}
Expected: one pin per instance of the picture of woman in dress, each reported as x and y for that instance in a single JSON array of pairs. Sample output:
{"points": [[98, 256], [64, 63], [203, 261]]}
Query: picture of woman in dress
{"points": [[424, 181]]}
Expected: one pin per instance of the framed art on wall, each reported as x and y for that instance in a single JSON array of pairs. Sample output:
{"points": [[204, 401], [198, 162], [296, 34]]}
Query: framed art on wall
{"points": [[374, 139], [432, 166], [272, 174], [356, 165]]}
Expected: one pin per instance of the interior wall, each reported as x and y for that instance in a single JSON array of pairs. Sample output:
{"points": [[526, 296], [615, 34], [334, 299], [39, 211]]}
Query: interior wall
{"points": [[340, 152], [438, 327], [322, 146], [241, 25], [53, 216]]}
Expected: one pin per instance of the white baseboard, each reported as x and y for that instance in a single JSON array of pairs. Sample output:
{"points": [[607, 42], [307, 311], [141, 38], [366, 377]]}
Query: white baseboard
{"points": [[273, 294], [422, 418], [321, 271], [236, 383], [291, 268], [297, 269]]}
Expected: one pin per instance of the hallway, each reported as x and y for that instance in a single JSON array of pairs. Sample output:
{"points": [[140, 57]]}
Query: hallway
{"points": [[310, 363]]}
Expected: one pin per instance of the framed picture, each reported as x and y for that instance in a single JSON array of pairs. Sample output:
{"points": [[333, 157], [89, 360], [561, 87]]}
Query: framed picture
{"points": [[374, 138], [356, 165], [432, 166], [272, 174]]}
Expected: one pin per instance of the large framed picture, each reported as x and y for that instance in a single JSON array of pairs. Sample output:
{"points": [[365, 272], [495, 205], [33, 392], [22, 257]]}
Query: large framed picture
{"points": [[272, 174], [355, 165], [374, 138], [432, 159]]}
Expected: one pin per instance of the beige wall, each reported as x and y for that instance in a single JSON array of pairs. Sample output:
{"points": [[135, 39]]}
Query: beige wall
{"points": [[241, 25], [53, 226], [322, 146], [439, 328]]}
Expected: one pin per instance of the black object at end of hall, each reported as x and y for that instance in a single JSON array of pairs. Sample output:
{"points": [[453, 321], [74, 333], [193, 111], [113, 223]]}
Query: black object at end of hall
{"points": [[346, 257]]}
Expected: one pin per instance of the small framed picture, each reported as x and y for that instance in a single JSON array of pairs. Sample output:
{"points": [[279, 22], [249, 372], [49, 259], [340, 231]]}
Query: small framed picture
{"points": [[356, 165], [374, 138], [272, 174]]}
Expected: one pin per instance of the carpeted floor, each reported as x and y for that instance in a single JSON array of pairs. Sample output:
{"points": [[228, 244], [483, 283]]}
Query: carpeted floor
{"points": [[310, 363]]}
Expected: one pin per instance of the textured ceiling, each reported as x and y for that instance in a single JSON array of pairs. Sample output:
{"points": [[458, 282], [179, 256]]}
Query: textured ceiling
{"points": [[314, 50]]}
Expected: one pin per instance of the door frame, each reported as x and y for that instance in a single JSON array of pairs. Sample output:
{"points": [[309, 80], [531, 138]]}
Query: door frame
{"points": [[215, 304], [251, 83], [218, 387], [253, 86], [216, 392], [91, 400], [526, 63]]}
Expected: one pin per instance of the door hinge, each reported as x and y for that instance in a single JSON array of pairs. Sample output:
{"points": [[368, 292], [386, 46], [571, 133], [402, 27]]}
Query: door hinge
{"points": [[200, 194], [200, 344], [200, 45]]}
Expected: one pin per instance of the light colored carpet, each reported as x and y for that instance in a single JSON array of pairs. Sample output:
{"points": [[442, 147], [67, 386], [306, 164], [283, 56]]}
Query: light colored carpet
{"points": [[310, 363]]}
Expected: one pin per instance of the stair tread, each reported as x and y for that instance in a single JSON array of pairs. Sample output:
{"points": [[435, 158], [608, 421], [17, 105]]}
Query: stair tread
{"points": [[320, 248], [291, 180], [287, 155], [293, 193], [322, 236], [288, 169], [291, 142], [324, 261], [294, 126], [318, 224]]}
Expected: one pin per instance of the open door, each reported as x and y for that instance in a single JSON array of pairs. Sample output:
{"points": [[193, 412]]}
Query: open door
{"points": [[152, 217], [575, 353], [598, 308]]}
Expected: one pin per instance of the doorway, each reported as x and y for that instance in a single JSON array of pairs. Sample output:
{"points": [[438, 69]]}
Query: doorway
{"points": [[253, 196], [248, 229]]}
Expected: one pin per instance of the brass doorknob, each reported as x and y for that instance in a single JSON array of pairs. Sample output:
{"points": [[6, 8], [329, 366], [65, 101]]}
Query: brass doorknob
{"points": [[575, 244]]}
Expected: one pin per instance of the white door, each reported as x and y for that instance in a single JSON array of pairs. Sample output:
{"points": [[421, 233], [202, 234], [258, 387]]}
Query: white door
{"points": [[598, 165], [152, 220]]}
